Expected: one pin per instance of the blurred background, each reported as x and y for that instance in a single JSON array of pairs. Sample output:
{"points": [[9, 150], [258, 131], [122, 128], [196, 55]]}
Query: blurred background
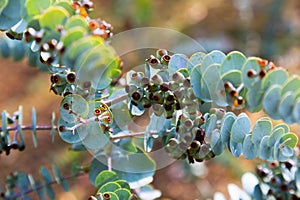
{"points": [[269, 29]]}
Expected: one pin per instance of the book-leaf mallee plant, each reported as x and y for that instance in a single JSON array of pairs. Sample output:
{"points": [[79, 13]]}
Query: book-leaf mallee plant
{"points": [[196, 103]]}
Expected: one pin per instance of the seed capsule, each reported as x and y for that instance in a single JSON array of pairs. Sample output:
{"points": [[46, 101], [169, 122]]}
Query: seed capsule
{"points": [[262, 73], [161, 52], [158, 97], [251, 73], [164, 86], [71, 77], [165, 59], [157, 79], [177, 77], [106, 196], [146, 103]]}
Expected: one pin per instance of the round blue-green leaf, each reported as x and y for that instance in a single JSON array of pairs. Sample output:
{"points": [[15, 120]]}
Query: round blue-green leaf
{"points": [[233, 61], [261, 128], [3, 4], [240, 128], [82, 46], [46, 19], [96, 65], [289, 139], [210, 79], [194, 60], [77, 104], [177, 62], [216, 142], [73, 35], [11, 14], [276, 135], [33, 121], [214, 57], [123, 193], [249, 149], [35, 7], [76, 21], [210, 124], [123, 184], [235, 148], [276, 76], [17, 50], [265, 151], [254, 97], [291, 85], [285, 153], [196, 77], [96, 138], [250, 64], [104, 177], [156, 124], [285, 127], [296, 111], [66, 5], [71, 136], [137, 169], [286, 106], [226, 125], [271, 101], [232, 76], [109, 187], [4, 48]]}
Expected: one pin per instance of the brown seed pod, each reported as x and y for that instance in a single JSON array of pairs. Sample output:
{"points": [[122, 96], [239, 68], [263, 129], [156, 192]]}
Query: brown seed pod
{"points": [[71, 77]]}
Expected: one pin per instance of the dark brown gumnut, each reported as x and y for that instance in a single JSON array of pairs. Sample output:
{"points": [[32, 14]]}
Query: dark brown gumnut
{"points": [[262, 73], [106, 196], [66, 106], [62, 128], [166, 58], [71, 77], [168, 107], [136, 96], [164, 87], [251, 73]]}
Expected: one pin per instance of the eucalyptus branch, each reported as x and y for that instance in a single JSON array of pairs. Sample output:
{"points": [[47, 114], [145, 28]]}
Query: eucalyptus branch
{"points": [[54, 181], [24, 127], [116, 100], [121, 136]]}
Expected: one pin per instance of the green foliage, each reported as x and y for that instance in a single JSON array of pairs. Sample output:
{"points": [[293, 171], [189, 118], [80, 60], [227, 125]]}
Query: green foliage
{"points": [[180, 100], [193, 101]]}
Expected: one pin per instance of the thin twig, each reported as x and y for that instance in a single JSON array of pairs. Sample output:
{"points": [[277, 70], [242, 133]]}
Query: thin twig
{"points": [[116, 137], [109, 163], [11, 128], [118, 99]]}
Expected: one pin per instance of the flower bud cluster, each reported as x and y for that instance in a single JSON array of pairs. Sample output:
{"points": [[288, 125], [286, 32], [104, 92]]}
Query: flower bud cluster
{"points": [[64, 82], [280, 179], [172, 96]]}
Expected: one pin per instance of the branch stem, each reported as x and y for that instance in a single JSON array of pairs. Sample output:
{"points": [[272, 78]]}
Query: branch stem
{"points": [[116, 100], [11, 128], [121, 136], [39, 187]]}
